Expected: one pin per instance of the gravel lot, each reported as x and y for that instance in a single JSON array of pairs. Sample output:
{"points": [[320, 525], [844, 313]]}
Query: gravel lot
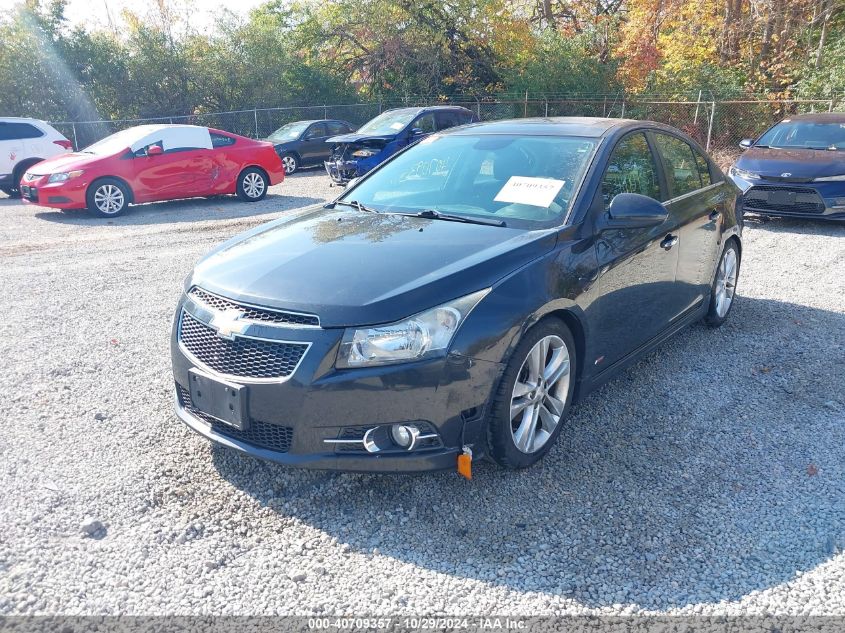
{"points": [[710, 478]]}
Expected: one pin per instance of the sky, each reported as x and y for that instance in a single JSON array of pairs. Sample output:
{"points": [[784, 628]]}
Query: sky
{"points": [[96, 13]]}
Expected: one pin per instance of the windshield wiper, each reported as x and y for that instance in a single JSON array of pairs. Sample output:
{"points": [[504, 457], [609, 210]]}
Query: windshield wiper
{"points": [[432, 214], [355, 205]]}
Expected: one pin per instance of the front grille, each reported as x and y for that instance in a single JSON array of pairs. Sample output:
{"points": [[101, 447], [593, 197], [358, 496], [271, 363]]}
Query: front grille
{"points": [[261, 434], [251, 313], [775, 199], [242, 357]]}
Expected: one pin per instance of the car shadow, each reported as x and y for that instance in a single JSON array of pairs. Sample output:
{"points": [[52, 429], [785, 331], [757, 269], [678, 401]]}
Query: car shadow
{"points": [[831, 228], [710, 470], [186, 210]]}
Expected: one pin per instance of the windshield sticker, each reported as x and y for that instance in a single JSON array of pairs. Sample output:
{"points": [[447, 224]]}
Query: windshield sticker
{"points": [[538, 192], [396, 126]]}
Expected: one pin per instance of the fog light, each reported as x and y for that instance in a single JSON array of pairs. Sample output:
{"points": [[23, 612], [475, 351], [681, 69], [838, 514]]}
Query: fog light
{"points": [[404, 436]]}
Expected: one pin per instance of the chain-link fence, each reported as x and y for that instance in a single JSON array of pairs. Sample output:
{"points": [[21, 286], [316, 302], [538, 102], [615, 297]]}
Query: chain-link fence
{"points": [[716, 125]]}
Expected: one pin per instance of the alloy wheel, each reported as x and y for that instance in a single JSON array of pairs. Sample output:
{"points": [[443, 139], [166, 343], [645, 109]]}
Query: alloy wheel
{"points": [[253, 184], [109, 199], [539, 394], [290, 164], [726, 282]]}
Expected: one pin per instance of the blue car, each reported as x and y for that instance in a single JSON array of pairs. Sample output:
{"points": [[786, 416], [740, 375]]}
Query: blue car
{"points": [[355, 154], [795, 169]]}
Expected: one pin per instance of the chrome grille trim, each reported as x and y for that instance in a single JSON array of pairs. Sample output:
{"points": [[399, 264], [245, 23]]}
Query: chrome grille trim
{"points": [[254, 313], [283, 376]]}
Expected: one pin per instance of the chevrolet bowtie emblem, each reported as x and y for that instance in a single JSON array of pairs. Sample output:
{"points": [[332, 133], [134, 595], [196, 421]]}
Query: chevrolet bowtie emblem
{"points": [[228, 323], [786, 174]]}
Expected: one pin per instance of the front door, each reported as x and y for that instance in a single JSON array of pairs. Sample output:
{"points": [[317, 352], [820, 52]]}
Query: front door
{"points": [[314, 147], [636, 265]]}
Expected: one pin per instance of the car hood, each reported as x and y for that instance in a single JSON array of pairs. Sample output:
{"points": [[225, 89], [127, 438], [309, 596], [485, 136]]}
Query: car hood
{"points": [[65, 162], [361, 268], [799, 163], [357, 138]]}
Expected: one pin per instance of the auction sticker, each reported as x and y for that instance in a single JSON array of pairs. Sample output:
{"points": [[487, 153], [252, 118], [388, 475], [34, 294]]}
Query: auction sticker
{"points": [[538, 192]]}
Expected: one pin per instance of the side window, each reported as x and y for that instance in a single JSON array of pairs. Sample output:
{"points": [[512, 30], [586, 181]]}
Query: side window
{"points": [[221, 140], [631, 169], [703, 169], [425, 123], [336, 127], [13, 131], [465, 117], [446, 120], [317, 130], [681, 165]]}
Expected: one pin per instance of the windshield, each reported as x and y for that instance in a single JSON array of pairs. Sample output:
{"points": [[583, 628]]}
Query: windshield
{"points": [[389, 122], [806, 135], [522, 180], [289, 131], [116, 142]]}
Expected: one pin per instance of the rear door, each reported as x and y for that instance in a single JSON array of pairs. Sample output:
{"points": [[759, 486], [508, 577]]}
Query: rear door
{"points": [[637, 265], [313, 145], [695, 203]]}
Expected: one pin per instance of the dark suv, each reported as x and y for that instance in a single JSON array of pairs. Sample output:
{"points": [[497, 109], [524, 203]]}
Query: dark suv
{"points": [[353, 155], [303, 143]]}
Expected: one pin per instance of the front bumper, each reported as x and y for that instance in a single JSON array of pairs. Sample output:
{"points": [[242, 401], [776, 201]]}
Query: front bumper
{"points": [[318, 402], [60, 195], [822, 201]]}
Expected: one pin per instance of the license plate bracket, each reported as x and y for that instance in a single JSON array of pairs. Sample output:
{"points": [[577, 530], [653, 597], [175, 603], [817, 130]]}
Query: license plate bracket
{"points": [[222, 400], [782, 197]]}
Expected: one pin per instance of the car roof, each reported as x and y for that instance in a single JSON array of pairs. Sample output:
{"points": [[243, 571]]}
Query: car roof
{"points": [[818, 117], [595, 127], [429, 108], [21, 119]]}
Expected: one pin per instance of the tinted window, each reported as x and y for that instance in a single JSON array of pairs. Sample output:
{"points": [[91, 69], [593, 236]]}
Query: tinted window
{"points": [[425, 123], [631, 169], [318, 130], [465, 117], [447, 120], [703, 169], [221, 140], [681, 165], [336, 127], [14, 131]]}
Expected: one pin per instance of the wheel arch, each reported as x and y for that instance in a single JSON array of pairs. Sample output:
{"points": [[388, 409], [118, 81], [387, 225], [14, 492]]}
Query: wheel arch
{"points": [[117, 178], [579, 335], [252, 166], [21, 167]]}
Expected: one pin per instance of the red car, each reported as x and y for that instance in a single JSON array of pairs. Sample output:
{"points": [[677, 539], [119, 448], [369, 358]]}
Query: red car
{"points": [[154, 162]]}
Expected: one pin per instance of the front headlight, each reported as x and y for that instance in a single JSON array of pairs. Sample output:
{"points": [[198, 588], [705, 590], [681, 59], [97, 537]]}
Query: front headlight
{"points": [[839, 178], [364, 153], [65, 175], [741, 173], [421, 336]]}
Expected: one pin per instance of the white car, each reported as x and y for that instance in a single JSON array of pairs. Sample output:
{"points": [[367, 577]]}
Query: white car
{"points": [[24, 142]]}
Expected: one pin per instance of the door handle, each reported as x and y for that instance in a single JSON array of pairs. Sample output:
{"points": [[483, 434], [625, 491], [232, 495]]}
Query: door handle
{"points": [[668, 242], [714, 215]]}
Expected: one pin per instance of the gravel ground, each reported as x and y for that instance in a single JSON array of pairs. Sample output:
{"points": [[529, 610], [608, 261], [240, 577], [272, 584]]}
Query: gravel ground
{"points": [[709, 478]]}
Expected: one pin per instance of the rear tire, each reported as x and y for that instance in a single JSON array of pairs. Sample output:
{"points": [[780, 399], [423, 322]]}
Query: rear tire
{"points": [[291, 163], [107, 197], [533, 397], [252, 184], [723, 290]]}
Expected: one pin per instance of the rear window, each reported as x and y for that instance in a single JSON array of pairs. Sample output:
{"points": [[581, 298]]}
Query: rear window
{"points": [[336, 127], [221, 140], [12, 131]]}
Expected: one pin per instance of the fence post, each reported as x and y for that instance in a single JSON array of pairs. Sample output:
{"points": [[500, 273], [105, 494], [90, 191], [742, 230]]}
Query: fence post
{"points": [[75, 142], [255, 115], [623, 109], [697, 106], [525, 107], [710, 126], [478, 107], [830, 107], [547, 107], [325, 111]]}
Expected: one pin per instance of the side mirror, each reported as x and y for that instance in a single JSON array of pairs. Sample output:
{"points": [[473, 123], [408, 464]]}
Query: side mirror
{"points": [[154, 150], [632, 210], [415, 132], [746, 143]]}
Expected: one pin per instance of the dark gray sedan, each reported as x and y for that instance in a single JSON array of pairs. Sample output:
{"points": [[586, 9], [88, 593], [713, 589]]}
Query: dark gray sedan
{"points": [[453, 303]]}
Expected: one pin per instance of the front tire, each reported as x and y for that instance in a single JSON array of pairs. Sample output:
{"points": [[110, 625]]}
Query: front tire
{"points": [[252, 185], [291, 163], [107, 197], [724, 286], [533, 396]]}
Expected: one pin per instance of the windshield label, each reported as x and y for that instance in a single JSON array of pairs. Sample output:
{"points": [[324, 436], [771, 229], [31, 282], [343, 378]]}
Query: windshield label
{"points": [[538, 192], [397, 126]]}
